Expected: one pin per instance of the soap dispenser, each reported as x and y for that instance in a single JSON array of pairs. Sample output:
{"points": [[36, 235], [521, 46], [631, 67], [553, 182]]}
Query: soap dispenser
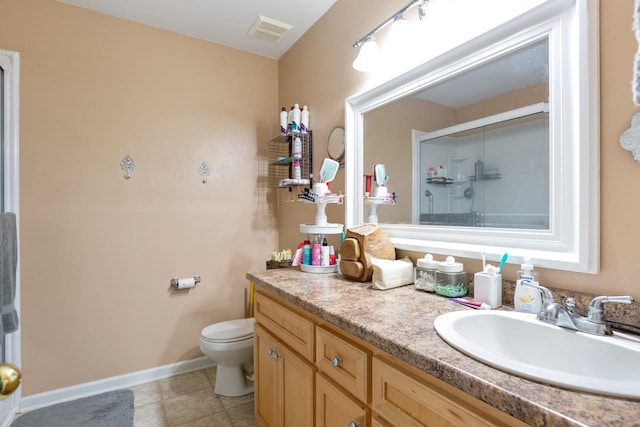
{"points": [[526, 298]]}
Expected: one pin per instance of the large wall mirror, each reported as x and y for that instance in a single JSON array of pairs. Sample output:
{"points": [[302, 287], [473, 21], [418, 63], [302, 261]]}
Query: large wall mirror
{"points": [[491, 146]]}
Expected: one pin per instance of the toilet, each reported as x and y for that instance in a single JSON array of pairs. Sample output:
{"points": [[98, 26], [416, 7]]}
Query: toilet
{"points": [[230, 345]]}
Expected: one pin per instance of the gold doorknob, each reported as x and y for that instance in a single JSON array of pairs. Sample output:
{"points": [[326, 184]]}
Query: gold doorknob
{"points": [[10, 378]]}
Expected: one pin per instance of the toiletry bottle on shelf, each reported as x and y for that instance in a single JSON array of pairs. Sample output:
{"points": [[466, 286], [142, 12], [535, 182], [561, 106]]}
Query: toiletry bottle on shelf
{"points": [[332, 255], [306, 251], [487, 286], [295, 119], [297, 148], [526, 298], [297, 257], [304, 120], [315, 251], [297, 173], [283, 121], [324, 253], [289, 120]]}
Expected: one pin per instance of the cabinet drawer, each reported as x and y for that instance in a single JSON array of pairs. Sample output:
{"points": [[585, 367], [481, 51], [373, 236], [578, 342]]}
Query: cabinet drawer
{"points": [[406, 400], [291, 328], [343, 361], [334, 408]]}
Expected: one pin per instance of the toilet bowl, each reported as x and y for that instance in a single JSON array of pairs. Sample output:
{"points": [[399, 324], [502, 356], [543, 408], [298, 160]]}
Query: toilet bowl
{"points": [[230, 345]]}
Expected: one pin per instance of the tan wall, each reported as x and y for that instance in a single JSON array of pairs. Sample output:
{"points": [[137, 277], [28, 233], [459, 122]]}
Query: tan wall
{"points": [[98, 251], [318, 69]]}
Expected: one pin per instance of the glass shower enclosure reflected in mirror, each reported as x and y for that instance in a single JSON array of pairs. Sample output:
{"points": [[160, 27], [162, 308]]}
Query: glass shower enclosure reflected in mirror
{"points": [[490, 175]]}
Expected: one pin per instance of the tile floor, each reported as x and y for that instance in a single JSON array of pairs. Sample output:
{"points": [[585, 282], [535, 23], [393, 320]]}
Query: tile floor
{"points": [[189, 400]]}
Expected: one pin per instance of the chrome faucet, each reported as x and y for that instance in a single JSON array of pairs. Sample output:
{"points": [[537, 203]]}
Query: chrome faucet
{"points": [[555, 314]]}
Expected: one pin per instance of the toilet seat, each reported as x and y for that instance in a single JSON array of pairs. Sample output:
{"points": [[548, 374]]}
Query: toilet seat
{"points": [[228, 331]]}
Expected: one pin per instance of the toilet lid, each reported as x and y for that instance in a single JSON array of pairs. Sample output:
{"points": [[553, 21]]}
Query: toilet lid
{"points": [[229, 330]]}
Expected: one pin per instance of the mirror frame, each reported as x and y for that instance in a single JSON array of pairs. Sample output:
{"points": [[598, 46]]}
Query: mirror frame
{"points": [[572, 241]]}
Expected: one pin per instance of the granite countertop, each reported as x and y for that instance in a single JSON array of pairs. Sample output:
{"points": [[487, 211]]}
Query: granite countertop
{"points": [[400, 322]]}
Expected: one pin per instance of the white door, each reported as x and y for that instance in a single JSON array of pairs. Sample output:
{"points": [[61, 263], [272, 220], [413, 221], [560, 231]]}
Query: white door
{"points": [[9, 83]]}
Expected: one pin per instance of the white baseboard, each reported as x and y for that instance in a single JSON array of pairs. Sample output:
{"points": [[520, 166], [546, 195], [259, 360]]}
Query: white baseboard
{"points": [[47, 398]]}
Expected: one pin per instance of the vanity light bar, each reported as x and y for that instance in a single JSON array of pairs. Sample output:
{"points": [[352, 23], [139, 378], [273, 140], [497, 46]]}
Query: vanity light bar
{"points": [[423, 4]]}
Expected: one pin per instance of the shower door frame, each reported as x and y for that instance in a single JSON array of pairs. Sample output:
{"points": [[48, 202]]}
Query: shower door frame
{"points": [[10, 63]]}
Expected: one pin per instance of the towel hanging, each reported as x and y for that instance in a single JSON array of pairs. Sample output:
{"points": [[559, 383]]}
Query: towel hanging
{"points": [[8, 268]]}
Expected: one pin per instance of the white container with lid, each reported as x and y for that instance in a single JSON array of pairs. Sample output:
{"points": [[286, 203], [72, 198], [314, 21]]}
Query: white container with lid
{"points": [[424, 277], [487, 286], [451, 279]]}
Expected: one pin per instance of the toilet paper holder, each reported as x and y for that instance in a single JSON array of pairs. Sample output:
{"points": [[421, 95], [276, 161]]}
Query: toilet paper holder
{"points": [[175, 281]]}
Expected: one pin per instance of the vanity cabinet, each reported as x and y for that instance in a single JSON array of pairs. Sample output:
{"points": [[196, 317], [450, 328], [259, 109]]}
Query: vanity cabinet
{"points": [[284, 376], [308, 370], [346, 363], [413, 399], [336, 408]]}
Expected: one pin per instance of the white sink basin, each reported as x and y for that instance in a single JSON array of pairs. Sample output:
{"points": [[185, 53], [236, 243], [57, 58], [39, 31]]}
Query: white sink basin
{"points": [[522, 345]]}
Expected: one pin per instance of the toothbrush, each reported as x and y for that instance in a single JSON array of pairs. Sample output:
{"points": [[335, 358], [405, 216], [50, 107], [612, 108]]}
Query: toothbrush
{"points": [[502, 261], [472, 304]]}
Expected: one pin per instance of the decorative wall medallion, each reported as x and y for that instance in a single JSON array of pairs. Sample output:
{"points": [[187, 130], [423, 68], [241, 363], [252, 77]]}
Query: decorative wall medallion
{"points": [[204, 171], [128, 165], [630, 138]]}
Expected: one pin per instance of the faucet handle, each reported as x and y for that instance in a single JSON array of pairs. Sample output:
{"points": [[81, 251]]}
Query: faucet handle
{"points": [[596, 306], [570, 303], [547, 295]]}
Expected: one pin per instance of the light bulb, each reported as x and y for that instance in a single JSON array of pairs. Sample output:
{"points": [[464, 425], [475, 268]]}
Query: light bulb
{"points": [[397, 50], [400, 36], [368, 56]]}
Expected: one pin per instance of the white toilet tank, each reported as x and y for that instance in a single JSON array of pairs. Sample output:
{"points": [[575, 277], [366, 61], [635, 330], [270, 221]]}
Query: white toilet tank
{"points": [[229, 331]]}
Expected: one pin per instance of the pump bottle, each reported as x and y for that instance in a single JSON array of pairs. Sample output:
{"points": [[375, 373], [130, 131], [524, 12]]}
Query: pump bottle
{"points": [[526, 298]]}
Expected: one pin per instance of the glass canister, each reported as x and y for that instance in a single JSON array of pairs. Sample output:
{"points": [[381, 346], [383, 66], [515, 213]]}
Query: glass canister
{"points": [[451, 280], [424, 275]]}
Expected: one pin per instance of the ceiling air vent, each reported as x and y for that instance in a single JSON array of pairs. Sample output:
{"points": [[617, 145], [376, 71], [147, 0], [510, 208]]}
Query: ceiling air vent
{"points": [[268, 29]]}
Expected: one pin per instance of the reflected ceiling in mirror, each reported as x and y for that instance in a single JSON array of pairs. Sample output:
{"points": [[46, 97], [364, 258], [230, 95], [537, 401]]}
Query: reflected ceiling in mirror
{"points": [[535, 74]]}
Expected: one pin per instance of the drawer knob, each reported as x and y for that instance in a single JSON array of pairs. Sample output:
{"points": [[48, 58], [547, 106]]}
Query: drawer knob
{"points": [[269, 351], [275, 356], [336, 360], [354, 424]]}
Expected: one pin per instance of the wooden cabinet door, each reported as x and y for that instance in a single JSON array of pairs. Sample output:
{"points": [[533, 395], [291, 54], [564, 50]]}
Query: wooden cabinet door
{"points": [[298, 378], [267, 391], [284, 383], [335, 409]]}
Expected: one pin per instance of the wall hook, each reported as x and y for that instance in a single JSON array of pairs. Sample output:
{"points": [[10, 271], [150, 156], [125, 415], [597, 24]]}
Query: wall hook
{"points": [[128, 165], [204, 172]]}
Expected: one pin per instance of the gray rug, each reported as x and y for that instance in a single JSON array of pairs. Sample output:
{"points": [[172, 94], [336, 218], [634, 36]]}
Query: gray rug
{"points": [[111, 409]]}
